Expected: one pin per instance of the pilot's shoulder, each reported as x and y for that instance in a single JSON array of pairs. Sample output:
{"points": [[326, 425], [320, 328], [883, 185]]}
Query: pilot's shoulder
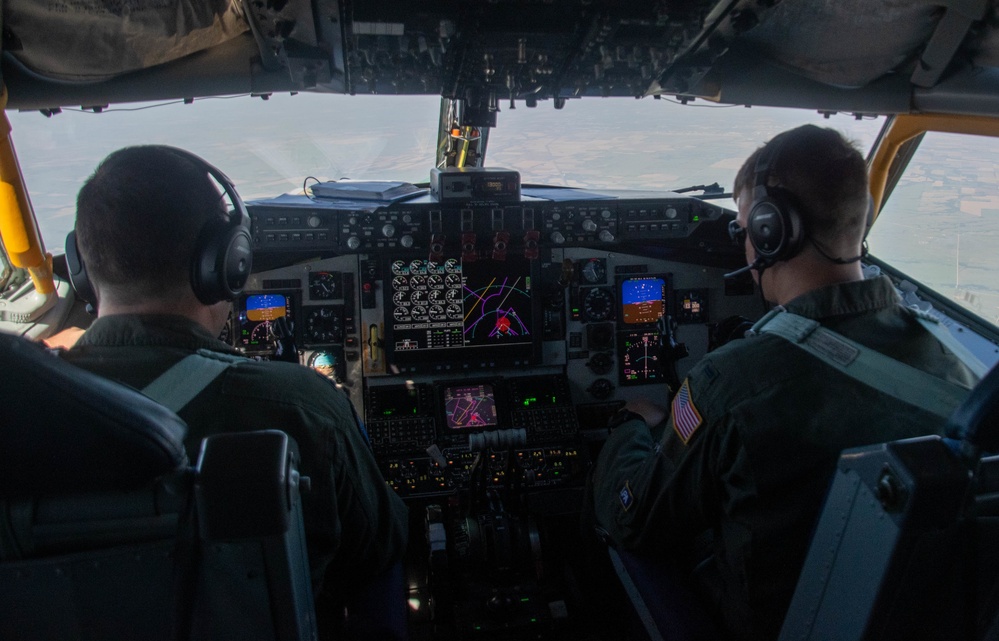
{"points": [[735, 369], [288, 383]]}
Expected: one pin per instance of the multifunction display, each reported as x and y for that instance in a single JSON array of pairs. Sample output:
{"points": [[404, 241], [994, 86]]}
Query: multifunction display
{"points": [[454, 307], [643, 299], [470, 406], [266, 323]]}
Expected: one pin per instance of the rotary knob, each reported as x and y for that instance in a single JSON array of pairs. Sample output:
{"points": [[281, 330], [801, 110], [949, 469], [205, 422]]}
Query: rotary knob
{"points": [[406, 241], [353, 242], [557, 237], [388, 230], [606, 236], [589, 226], [314, 221]]}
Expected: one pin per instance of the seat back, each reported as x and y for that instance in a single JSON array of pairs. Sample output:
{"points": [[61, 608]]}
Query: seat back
{"points": [[106, 532], [904, 547]]}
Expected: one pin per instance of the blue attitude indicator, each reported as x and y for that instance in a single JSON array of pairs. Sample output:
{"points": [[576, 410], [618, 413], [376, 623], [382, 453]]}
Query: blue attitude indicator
{"points": [[643, 300]]}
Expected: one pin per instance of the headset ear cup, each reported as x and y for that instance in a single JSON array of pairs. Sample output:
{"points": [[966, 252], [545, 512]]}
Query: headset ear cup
{"points": [[222, 262], [775, 228], [237, 262], [78, 277]]}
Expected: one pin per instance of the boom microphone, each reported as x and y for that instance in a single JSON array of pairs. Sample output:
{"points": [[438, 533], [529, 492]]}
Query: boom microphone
{"points": [[756, 264]]}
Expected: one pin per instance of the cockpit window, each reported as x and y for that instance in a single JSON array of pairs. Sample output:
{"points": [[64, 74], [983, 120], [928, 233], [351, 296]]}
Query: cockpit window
{"points": [[941, 224], [268, 147], [623, 143]]}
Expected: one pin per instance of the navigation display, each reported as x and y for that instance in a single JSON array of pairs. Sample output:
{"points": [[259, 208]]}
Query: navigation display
{"points": [[454, 307], [266, 323], [643, 299], [640, 352], [469, 406]]}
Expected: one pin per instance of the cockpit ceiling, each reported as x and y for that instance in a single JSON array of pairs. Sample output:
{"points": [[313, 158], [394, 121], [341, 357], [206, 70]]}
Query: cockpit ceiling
{"points": [[872, 56]]}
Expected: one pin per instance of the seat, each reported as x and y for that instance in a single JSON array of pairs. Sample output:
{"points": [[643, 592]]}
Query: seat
{"points": [[905, 545], [107, 532]]}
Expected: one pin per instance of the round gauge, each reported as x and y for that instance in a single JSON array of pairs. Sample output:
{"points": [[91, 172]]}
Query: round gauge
{"points": [[598, 304], [419, 297], [437, 312], [419, 312], [595, 271], [401, 313], [453, 296], [400, 282], [452, 280], [323, 325], [418, 282], [452, 266], [418, 267], [399, 267], [400, 298], [324, 285], [434, 268], [325, 363], [436, 296], [454, 312], [435, 281], [601, 388]]}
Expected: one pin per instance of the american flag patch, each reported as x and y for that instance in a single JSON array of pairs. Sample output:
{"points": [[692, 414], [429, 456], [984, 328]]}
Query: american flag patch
{"points": [[686, 418], [626, 496]]}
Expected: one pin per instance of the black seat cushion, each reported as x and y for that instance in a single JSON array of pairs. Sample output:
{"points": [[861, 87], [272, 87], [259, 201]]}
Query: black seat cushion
{"points": [[66, 430]]}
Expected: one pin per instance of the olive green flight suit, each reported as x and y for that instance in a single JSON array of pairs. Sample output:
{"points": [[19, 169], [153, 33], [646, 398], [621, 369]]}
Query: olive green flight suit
{"points": [[750, 448], [355, 525]]}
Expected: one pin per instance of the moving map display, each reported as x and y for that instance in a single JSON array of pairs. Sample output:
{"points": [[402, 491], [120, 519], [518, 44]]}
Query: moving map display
{"points": [[470, 406], [460, 308]]}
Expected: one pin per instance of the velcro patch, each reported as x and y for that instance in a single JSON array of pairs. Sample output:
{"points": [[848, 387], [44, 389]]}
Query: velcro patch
{"points": [[686, 418]]}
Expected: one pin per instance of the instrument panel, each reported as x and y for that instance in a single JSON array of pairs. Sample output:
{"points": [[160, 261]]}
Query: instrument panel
{"points": [[485, 344]]}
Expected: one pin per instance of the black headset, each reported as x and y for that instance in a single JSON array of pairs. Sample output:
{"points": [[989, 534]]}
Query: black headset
{"points": [[774, 226], [222, 257]]}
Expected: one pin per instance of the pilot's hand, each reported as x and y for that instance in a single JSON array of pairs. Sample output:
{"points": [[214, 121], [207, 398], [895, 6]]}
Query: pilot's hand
{"points": [[730, 329], [652, 413]]}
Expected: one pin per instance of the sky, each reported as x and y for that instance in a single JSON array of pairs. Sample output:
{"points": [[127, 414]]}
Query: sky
{"points": [[939, 227]]}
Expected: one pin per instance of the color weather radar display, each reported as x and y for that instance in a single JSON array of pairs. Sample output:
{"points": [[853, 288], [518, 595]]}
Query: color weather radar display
{"points": [[458, 310], [469, 406]]}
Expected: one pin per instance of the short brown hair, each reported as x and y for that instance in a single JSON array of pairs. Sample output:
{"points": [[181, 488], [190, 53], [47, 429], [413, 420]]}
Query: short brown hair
{"points": [[138, 219], [827, 176]]}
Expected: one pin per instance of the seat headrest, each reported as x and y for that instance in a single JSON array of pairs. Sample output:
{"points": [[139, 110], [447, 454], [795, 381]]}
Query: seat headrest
{"points": [[66, 430]]}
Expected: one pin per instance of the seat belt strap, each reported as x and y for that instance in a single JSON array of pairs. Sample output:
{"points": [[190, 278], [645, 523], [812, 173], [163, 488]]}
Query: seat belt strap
{"points": [[177, 386], [868, 366], [934, 326]]}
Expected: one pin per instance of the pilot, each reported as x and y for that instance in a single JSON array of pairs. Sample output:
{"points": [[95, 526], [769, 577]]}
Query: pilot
{"points": [[728, 482], [141, 217]]}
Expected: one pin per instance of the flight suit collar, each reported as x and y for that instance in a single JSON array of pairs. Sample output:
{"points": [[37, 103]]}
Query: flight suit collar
{"points": [[842, 299], [145, 330]]}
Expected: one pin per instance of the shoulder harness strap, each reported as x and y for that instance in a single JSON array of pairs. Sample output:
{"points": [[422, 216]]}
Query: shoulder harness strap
{"points": [[866, 365], [940, 331], [177, 386]]}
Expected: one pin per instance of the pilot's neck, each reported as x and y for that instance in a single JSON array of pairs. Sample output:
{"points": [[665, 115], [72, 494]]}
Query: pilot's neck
{"points": [[211, 317], [807, 271]]}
